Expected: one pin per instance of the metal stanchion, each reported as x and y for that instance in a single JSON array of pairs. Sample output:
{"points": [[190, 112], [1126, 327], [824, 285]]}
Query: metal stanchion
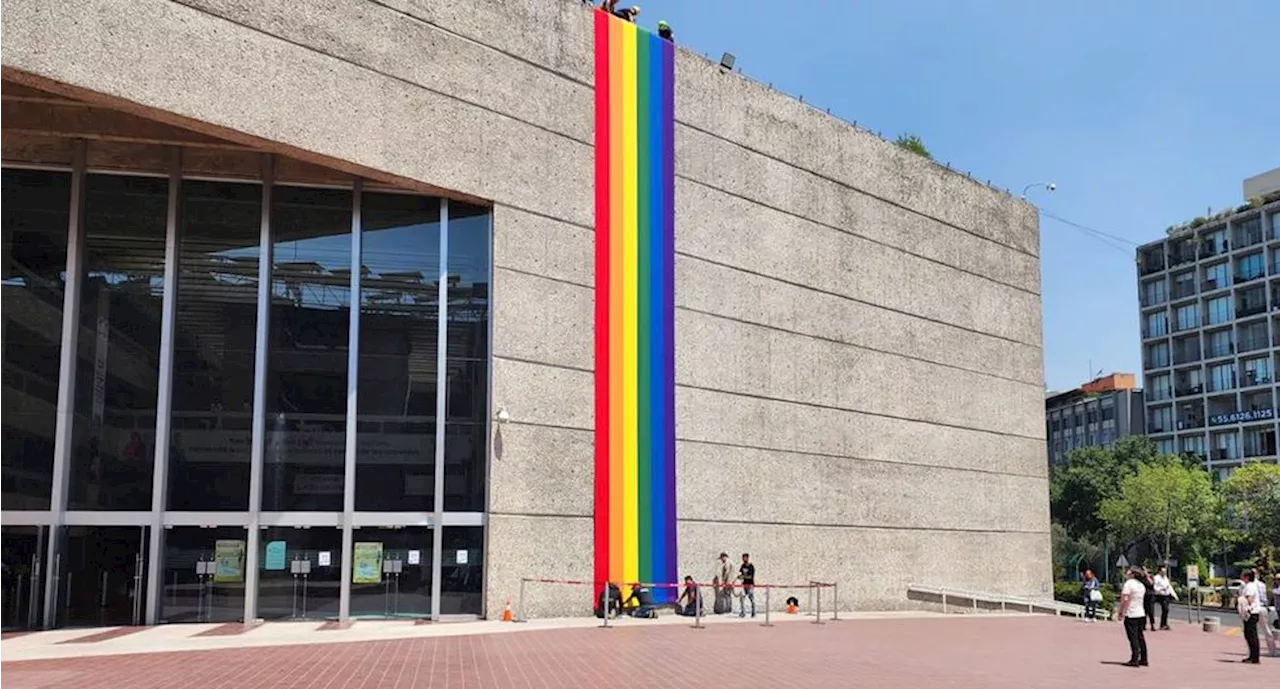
{"points": [[809, 609], [817, 610], [767, 623], [835, 602], [697, 606], [607, 604], [520, 604]]}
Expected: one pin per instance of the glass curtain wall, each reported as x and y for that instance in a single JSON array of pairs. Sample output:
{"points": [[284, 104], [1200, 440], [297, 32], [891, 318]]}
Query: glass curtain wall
{"points": [[307, 376], [211, 441], [399, 334], [467, 359], [36, 210], [118, 368], [410, 390]]}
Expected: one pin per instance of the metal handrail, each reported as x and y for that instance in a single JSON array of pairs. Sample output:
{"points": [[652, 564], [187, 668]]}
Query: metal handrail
{"points": [[1004, 601]]}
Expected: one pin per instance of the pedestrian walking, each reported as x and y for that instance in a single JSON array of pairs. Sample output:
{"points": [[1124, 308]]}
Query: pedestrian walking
{"points": [[1164, 594], [1275, 597], [747, 575], [1251, 605], [1091, 592], [1149, 601], [1134, 617]]}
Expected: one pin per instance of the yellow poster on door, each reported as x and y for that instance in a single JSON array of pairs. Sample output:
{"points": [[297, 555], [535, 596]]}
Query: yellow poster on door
{"points": [[366, 562], [228, 556]]}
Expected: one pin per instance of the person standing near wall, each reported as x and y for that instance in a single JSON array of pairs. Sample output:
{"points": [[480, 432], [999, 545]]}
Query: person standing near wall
{"points": [[747, 575], [1164, 593], [724, 593], [1133, 616]]}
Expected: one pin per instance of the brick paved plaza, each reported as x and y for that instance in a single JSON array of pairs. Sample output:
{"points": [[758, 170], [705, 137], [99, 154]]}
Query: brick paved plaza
{"points": [[952, 652]]}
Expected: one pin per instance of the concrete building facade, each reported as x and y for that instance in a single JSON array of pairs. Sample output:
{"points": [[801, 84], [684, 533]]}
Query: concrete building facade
{"points": [[1096, 414], [436, 158], [1210, 309]]}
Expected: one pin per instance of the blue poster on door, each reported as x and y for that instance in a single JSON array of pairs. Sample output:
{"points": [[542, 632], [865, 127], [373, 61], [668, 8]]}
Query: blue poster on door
{"points": [[275, 555]]}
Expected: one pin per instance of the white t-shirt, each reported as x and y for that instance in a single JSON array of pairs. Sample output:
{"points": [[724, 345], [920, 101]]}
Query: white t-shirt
{"points": [[1136, 592], [1259, 592], [1162, 586]]}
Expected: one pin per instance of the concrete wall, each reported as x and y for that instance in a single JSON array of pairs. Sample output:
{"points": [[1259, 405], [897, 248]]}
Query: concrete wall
{"points": [[859, 378]]}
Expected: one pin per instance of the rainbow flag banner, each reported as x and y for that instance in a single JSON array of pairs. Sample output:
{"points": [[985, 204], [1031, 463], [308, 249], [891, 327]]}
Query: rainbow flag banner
{"points": [[635, 486]]}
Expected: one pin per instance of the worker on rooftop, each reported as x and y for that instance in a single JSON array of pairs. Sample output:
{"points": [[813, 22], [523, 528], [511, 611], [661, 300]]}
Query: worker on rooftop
{"points": [[664, 31]]}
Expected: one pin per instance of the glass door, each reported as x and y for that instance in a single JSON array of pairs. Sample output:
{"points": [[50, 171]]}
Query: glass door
{"points": [[203, 574], [23, 585], [102, 576], [391, 573]]}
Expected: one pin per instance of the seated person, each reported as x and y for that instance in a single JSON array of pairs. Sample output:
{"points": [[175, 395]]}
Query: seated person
{"points": [[689, 604], [642, 599], [614, 601], [793, 605]]}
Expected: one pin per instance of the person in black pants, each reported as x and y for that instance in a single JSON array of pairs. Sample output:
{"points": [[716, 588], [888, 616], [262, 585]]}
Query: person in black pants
{"points": [[1149, 597], [1252, 607], [1133, 615]]}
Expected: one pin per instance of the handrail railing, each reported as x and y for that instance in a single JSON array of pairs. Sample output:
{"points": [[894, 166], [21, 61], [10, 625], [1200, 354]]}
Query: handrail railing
{"points": [[1004, 601]]}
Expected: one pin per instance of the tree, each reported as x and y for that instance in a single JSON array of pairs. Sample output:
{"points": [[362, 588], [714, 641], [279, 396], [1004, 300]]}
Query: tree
{"points": [[1163, 501], [1252, 498], [1089, 476], [913, 143]]}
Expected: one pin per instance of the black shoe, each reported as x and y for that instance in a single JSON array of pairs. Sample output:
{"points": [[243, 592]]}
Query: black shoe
{"points": [[1132, 663], [1165, 628], [1142, 663]]}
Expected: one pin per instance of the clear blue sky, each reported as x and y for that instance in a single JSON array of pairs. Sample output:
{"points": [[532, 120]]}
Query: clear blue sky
{"points": [[1143, 113]]}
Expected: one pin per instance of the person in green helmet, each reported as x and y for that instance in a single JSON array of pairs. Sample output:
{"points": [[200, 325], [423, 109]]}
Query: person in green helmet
{"points": [[664, 31]]}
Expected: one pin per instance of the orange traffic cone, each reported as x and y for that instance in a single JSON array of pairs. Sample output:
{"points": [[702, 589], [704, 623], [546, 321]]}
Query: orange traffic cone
{"points": [[506, 612]]}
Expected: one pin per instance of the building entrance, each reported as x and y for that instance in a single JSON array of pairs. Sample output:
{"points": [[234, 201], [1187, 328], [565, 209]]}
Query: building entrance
{"points": [[24, 548], [103, 576]]}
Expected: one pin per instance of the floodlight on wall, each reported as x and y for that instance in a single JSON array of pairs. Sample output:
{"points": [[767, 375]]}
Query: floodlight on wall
{"points": [[726, 61]]}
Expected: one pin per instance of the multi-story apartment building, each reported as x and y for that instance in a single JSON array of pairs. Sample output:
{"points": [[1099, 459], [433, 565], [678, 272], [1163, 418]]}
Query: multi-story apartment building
{"points": [[1209, 296], [1096, 414]]}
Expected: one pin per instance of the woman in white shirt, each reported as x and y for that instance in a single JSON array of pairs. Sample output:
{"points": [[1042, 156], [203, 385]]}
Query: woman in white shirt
{"points": [[1164, 593], [1134, 617]]}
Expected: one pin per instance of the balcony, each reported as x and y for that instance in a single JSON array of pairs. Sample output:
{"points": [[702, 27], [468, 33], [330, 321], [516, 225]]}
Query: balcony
{"points": [[1192, 421], [1159, 393], [1249, 236], [1248, 276], [1156, 428], [1211, 284], [1210, 248], [1259, 450], [1181, 257], [1188, 390], [1156, 362], [1252, 378], [1224, 454], [1251, 308], [1186, 356], [1215, 351], [1151, 264], [1251, 343], [1184, 288]]}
